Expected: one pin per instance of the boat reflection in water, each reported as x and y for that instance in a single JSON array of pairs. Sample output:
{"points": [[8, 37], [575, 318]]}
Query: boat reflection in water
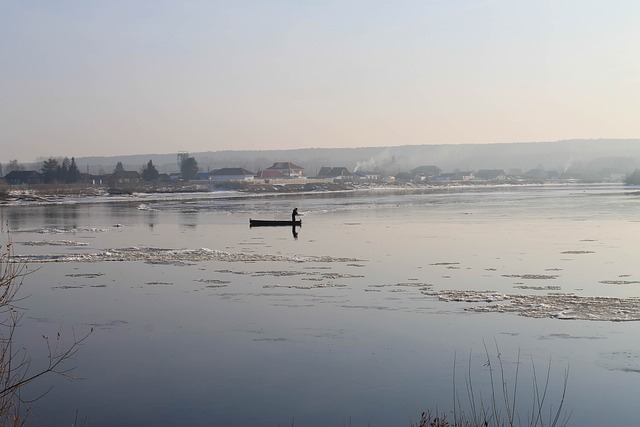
{"points": [[277, 223]]}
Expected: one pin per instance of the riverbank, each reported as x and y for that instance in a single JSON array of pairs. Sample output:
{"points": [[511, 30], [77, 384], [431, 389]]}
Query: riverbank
{"points": [[52, 192]]}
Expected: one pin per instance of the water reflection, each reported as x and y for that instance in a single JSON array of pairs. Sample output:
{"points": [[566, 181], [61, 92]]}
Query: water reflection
{"points": [[188, 218], [65, 216], [12, 218], [151, 218], [260, 312], [126, 212], [60, 216]]}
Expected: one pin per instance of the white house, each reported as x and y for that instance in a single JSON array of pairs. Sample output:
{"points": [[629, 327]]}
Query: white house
{"points": [[231, 174]]}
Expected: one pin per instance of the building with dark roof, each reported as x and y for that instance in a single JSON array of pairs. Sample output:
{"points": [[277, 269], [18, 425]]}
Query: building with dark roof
{"points": [[327, 172], [231, 174], [429, 171], [23, 177], [287, 169], [491, 175], [125, 177]]}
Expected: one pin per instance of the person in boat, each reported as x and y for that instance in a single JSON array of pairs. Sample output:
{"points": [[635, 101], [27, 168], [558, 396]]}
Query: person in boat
{"points": [[294, 214]]}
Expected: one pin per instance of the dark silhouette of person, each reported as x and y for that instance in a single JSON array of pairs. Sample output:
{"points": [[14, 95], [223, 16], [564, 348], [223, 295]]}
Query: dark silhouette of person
{"points": [[294, 214]]}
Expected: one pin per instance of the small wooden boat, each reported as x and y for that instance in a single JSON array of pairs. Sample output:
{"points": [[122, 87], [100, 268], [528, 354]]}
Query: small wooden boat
{"points": [[272, 223]]}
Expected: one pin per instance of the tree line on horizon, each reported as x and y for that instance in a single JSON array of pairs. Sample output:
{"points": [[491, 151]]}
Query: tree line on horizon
{"points": [[149, 173], [66, 171]]}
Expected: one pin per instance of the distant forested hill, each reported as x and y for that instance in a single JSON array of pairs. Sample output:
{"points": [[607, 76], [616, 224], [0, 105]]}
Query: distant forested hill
{"points": [[623, 155]]}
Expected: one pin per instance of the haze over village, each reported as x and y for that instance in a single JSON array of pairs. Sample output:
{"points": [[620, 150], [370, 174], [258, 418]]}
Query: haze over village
{"points": [[586, 160]]}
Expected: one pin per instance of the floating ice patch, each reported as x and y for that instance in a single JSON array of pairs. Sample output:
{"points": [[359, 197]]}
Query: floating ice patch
{"points": [[53, 243], [159, 255], [213, 281], [558, 306], [334, 276], [277, 273], [471, 296], [110, 324], [303, 287], [369, 307], [62, 230], [539, 288], [571, 337], [533, 276], [85, 275], [401, 287], [619, 282], [419, 285], [625, 361]]}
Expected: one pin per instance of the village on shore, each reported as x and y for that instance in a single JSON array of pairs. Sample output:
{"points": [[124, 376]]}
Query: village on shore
{"points": [[57, 178]]}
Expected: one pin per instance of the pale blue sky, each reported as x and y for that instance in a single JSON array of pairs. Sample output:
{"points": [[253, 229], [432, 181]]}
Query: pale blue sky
{"points": [[80, 78]]}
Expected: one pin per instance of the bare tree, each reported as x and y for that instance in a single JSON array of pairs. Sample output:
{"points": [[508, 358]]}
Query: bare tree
{"points": [[15, 363], [14, 166]]}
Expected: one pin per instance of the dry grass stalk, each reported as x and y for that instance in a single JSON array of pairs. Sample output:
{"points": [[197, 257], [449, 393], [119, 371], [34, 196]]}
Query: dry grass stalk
{"points": [[500, 409], [15, 364]]}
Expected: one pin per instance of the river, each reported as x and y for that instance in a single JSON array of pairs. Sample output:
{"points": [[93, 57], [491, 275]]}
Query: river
{"points": [[382, 305]]}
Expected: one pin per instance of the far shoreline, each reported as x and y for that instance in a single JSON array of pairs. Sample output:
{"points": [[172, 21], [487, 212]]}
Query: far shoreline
{"points": [[52, 193]]}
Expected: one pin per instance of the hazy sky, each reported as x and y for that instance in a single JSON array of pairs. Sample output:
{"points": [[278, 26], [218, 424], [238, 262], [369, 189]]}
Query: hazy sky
{"points": [[80, 78]]}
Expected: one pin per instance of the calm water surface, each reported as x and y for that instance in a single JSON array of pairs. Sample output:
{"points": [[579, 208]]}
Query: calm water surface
{"points": [[343, 325]]}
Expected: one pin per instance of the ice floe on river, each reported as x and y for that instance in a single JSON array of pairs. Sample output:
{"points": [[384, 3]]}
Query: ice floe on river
{"points": [[558, 306], [52, 230], [54, 243], [160, 255]]}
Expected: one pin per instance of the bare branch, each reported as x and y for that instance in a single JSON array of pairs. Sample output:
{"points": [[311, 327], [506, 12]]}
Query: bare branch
{"points": [[15, 364]]}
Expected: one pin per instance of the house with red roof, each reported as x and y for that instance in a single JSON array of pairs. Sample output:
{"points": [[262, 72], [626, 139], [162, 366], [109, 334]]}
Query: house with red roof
{"points": [[282, 170]]}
